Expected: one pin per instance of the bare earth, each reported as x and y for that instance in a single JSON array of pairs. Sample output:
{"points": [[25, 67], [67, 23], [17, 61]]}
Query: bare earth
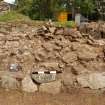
{"points": [[75, 97]]}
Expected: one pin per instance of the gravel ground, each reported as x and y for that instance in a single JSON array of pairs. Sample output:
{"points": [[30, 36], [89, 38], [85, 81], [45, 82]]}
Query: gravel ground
{"points": [[75, 97]]}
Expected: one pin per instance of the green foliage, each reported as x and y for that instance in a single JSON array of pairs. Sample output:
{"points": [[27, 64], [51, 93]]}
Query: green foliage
{"points": [[24, 6], [13, 16], [45, 9], [86, 6], [41, 9], [69, 24]]}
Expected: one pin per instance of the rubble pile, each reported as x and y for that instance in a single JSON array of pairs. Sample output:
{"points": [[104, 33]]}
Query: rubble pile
{"points": [[95, 29], [50, 48]]}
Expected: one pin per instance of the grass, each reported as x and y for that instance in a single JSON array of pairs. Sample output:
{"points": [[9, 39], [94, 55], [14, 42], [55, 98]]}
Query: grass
{"points": [[13, 16], [16, 17], [69, 24]]}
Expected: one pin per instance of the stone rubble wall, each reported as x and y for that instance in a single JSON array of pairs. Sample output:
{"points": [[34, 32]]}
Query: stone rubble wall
{"points": [[50, 48], [95, 29]]}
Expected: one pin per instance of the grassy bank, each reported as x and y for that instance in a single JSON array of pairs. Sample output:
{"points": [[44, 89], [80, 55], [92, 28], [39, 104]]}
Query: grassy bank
{"points": [[13, 16]]}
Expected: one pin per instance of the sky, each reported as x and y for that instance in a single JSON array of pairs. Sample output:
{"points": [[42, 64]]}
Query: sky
{"points": [[10, 1]]}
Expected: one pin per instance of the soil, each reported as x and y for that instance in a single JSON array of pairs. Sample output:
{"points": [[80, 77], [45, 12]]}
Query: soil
{"points": [[75, 97]]}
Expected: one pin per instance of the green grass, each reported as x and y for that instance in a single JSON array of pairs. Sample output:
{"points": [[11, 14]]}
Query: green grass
{"points": [[16, 17], [13, 16], [69, 24]]}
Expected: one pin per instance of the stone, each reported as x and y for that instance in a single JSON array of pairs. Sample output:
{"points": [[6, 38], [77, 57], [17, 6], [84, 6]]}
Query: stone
{"points": [[17, 75], [72, 32], [86, 55], [95, 29], [68, 79], [52, 29], [51, 87], [50, 65], [13, 44], [83, 80], [100, 42], [9, 82], [59, 31], [27, 58], [28, 85], [85, 52], [48, 46], [78, 69], [69, 57], [92, 80]]}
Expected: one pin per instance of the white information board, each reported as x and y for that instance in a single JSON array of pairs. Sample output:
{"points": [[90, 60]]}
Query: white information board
{"points": [[10, 1], [78, 19]]}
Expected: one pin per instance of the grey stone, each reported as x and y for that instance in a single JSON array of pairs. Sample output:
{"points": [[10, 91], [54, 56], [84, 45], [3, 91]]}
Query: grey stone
{"points": [[9, 82], [28, 85], [92, 80]]}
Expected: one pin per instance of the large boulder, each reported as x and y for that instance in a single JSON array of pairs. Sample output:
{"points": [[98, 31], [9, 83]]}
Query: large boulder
{"points": [[92, 80], [28, 85], [68, 79], [78, 69], [51, 88], [87, 55], [8, 82], [85, 52]]}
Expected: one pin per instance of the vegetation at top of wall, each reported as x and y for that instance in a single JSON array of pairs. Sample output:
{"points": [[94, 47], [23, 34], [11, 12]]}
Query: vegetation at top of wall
{"points": [[13, 16], [87, 7], [69, 24], [45, 9]]}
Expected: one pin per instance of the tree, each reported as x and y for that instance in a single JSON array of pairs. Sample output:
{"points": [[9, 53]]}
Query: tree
{"points": [[86, 6], [45, 9], [40, 9], [24, 6]]}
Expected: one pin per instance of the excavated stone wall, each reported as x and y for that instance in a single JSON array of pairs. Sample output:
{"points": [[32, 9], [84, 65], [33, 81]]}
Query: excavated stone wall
{"points": [[95, 29], [50, 48]]}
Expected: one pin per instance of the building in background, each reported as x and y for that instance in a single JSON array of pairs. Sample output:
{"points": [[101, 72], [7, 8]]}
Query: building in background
{"points": [[4, 7], [12, 3]]}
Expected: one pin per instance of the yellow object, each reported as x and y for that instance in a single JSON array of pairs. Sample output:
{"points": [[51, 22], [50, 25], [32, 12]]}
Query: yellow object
{"points": [[63, 16]]}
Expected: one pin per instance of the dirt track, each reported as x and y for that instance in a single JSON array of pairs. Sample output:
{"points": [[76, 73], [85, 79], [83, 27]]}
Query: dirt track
{"points": [[77, 97]]}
